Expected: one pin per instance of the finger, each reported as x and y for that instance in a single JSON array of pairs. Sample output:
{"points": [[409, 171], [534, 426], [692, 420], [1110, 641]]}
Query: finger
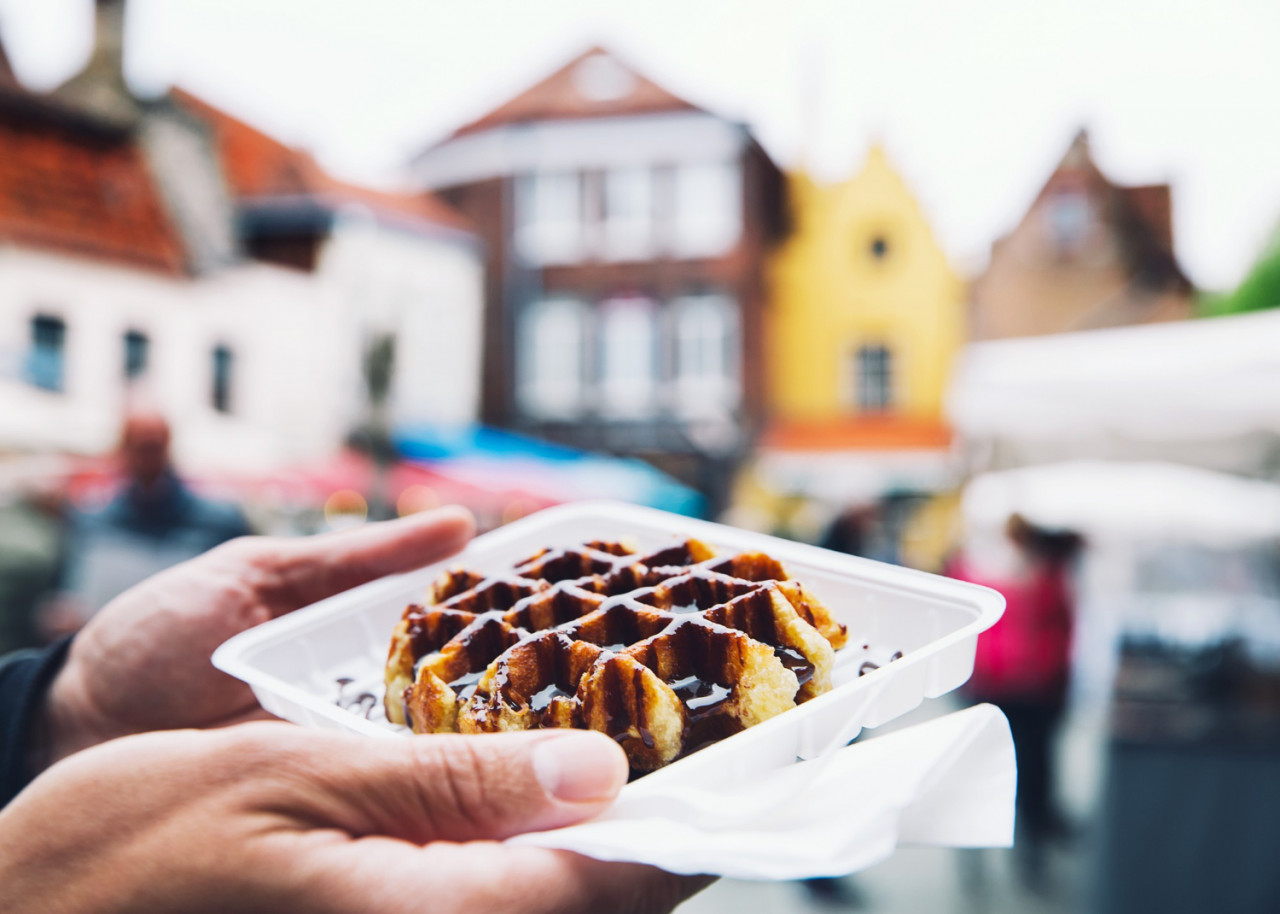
{"points": [[293, 573], [446, 787], [254, 713], [377, 874], [583, 885]]}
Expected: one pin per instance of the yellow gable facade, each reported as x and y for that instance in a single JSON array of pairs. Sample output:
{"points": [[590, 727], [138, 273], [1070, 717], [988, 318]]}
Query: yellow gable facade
{"points": [[867, 313]]}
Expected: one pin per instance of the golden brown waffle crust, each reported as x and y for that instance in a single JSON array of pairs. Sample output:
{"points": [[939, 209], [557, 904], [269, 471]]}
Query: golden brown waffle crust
{"points": [[665, 651]]}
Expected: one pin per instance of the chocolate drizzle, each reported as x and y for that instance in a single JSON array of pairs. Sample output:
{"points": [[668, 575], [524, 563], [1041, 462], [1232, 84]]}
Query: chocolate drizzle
{"points": [[796, 662], [650, 649], [361, 703]]}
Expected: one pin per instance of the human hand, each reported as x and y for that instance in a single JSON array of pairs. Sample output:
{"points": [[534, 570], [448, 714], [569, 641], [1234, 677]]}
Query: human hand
{"points": [[142, 663], [270, 817]]}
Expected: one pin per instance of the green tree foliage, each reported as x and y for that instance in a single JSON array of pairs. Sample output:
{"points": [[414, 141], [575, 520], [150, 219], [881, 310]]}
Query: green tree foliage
{"points": [[1259, 290]]}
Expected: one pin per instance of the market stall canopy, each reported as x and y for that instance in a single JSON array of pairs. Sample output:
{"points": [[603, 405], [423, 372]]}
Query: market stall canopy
{"points": [[1202, 392], [481, 455], [1133, 501]]}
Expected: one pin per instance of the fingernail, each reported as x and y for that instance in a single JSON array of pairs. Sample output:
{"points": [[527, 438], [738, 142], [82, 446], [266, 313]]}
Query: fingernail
{"points": [[579, 767]]}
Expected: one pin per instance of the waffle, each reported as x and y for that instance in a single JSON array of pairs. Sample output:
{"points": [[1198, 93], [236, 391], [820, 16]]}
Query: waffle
{"points": [[665, 652]]}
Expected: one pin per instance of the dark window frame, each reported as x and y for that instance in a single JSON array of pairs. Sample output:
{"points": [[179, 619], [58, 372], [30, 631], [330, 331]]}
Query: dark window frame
{"points": [[46, 362], [873, 373], [222, 388], [137, 354]]}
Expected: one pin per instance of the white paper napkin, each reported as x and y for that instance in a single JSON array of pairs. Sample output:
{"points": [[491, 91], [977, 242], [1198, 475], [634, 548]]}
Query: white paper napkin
{"points": [[949, 781]]}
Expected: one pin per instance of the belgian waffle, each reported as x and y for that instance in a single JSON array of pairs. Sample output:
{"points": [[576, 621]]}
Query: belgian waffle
{"points": [[665, 652]]}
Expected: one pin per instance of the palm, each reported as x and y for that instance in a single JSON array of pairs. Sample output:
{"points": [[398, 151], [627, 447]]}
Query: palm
{"points": [[143, 662]]}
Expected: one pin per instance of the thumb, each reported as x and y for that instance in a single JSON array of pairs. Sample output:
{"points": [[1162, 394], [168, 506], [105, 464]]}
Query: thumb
{"points": [[457, 787]]}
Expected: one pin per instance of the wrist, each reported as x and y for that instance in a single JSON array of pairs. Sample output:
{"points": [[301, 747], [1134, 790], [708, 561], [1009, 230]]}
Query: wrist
{"points": [[65, 723]]}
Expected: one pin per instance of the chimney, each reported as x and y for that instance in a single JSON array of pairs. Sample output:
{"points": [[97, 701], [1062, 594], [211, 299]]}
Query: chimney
{"points": [[100, 88]]}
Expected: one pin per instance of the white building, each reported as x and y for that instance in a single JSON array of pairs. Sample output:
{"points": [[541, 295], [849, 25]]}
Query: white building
{"points": [[170, 252]]}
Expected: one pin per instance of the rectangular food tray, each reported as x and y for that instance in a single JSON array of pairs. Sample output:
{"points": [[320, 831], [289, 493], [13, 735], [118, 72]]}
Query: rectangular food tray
{"points": [[295, 663]]}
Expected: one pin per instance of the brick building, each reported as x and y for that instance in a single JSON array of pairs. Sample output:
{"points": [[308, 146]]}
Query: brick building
{"points": [[1088, 253], [626, 233]]}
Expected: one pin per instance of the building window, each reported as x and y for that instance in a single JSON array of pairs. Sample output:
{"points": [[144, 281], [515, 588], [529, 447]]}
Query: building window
{"points": [[873, 372], [1069, 217], [550, 359], [137, 354], [628, 214], [46, 360], [879, 248], [549, 218], [628, 357], [706, 209], [223, 369], [707, 347]]}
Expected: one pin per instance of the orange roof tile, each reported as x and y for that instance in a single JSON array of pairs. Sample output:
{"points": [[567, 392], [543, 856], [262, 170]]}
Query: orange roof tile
{"points": [[68, 182], [880, 433], [258, 165], [255, 164], [561, 96]]}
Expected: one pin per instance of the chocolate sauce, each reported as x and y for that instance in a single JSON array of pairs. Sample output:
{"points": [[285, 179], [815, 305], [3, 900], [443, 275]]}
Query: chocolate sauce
{"points": [[701, 696], [565, 564], [672, 555], [541, 700], [796, 662], [616, 722], [642, 713], [869, 665], [465, 686], [623, 617], [362, 703]]}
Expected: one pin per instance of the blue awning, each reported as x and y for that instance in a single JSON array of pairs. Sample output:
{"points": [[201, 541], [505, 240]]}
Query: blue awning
{"points": [[557, 471]]}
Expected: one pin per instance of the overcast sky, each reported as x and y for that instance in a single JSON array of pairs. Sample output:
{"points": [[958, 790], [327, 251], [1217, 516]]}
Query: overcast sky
{"points": [[974, 101]]}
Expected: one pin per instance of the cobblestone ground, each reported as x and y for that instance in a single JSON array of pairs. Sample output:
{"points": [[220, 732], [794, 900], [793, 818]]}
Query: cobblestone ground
{"points": [[943, 881]]}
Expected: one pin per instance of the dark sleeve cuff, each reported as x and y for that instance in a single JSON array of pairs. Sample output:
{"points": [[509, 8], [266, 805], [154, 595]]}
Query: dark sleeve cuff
{"points": [[24, 678]]}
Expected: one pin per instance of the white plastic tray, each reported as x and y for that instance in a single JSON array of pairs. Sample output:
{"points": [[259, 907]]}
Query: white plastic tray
{"points": [[294, 663]]}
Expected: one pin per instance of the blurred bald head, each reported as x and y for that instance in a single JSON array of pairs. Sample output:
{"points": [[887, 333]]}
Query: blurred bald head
{"points": [[144, 446]]}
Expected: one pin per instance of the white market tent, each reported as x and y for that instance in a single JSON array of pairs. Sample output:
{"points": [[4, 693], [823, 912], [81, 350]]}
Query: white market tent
{"points": [[1135, 502], [1199, 392]]}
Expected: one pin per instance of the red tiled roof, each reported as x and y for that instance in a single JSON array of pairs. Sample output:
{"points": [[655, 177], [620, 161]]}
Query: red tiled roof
{"points": [[255, 164], [879, 433], [560, 96], [68, 183], [258, 165]]}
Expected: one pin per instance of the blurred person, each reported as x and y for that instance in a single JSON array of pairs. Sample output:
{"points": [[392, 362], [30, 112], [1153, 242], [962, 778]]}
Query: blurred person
{"points": [[32, 542], [112, 805], [1023, 666], [153, 522], [861, 530]]}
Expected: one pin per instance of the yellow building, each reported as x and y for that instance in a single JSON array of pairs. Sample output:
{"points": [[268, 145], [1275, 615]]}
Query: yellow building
{"points": [[866, 316], [866, 312]]}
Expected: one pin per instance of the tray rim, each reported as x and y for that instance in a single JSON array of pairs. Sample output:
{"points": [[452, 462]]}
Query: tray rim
{"points": [[234, 656]]}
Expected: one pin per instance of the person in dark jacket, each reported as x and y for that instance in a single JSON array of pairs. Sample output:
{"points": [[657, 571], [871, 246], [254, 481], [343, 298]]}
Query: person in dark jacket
{"points": [[153, 522]]}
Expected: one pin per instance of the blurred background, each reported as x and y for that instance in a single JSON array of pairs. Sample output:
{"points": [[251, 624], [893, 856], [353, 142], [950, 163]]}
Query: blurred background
{"points": [[990, 290]]}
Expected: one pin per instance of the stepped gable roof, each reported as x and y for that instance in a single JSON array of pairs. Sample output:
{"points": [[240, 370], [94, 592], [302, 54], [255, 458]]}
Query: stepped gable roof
{"points": [[76, 183], [1141, 215], [593, 84], [259, 166]]}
